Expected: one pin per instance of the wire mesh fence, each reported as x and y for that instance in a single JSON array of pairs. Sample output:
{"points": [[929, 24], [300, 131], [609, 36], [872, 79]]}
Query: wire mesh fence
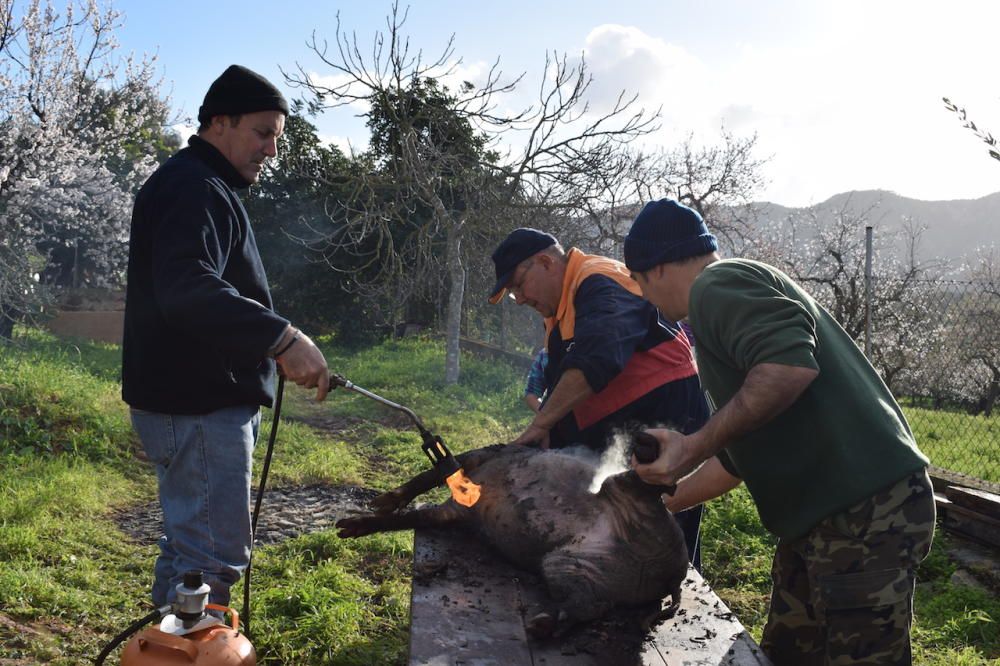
{"points": [[939, 351]]}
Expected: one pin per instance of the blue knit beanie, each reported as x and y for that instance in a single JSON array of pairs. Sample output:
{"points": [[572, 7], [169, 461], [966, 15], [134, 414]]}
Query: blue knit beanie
{"points": [[666, 231]]}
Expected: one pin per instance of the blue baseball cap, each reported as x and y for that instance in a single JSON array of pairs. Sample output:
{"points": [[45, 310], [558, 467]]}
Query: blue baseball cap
{"points": [[519, 245]]}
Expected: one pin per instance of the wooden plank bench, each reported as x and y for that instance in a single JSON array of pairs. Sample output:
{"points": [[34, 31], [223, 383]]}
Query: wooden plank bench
{"points": [[468, 608]]}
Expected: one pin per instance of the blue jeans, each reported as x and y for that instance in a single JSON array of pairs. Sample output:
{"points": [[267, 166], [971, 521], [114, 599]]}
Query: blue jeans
{"points": [[203, 464]]}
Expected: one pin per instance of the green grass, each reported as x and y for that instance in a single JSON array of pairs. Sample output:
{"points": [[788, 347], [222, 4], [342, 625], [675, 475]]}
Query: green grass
{"points": [[71, 580], [736, 557], [958, 442]]}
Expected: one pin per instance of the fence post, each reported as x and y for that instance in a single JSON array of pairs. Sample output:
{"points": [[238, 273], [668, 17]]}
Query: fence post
{"points": [[868, 291]]}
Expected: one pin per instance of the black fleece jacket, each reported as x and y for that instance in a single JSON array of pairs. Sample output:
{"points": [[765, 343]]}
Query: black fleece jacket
{"points": [[198, 314]]}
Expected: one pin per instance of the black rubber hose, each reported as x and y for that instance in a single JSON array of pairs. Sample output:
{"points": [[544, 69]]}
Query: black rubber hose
{"points": [[134, 627], [159, 612], [275, 418]]}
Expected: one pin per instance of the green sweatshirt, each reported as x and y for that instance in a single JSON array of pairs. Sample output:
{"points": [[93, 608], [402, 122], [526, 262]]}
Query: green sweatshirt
{"points": [[843, 440]]}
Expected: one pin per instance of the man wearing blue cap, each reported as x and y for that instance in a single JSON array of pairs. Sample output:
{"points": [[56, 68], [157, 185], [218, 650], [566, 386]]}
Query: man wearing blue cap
{"points": [[812, 430], [613, 363]]}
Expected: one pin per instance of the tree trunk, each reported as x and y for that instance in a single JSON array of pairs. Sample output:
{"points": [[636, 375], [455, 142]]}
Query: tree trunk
{"points": [[8, 317], [453, 314], [504, 323], [989, 398]]}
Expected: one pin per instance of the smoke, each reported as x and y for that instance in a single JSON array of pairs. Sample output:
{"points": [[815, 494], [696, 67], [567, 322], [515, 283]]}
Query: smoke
{"points": [[613, 460]]}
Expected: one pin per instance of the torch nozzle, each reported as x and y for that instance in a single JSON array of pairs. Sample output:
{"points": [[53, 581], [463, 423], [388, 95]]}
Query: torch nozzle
{"points": [[442, 459], [463, 490]]}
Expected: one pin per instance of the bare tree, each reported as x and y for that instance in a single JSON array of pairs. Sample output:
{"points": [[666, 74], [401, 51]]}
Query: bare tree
{"points": [[439, 171], [981, 318], [984, 135], [825, 251], [718, 181]]}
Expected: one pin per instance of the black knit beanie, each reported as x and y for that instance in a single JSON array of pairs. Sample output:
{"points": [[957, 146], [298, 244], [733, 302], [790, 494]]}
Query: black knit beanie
{"points": [[666, 231], [240, 90]]}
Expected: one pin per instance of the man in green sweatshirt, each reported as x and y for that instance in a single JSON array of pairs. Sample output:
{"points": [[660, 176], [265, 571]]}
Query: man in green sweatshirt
{"points": [[806, 422]]}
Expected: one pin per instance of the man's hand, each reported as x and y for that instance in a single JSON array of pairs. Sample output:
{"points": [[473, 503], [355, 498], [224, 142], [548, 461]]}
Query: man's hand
{"points": [[304, 364], [710, 481], [571, 389], [673, 463], [534, 434], [768, 390]]}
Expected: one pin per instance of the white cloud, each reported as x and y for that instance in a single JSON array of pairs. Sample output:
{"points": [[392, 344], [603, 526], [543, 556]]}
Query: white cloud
{"points": [[184, 131], [624, 58], [855, 106], [347, 145], [455, 73], [343, 84]]}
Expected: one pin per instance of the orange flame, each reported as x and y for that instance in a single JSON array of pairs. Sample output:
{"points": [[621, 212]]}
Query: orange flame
{"points": [[463, 490]]}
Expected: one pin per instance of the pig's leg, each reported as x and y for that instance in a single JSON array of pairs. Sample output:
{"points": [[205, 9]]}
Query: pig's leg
{"points": [[435, 516], [396, 499], [574, 587]]}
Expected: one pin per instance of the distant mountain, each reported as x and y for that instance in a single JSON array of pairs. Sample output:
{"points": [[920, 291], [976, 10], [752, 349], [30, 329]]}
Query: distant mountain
{"points": [[953, 228]]}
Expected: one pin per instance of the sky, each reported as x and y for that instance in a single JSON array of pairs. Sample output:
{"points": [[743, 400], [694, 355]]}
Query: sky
{"points": [[842, 94]]}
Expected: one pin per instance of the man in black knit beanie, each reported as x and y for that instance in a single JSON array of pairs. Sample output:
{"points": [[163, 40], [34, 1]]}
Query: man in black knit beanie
{"points": [[202, 338]]}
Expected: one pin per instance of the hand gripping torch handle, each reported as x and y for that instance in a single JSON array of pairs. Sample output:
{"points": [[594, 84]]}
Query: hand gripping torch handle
{"points": [[433, 446], [647, 449]]}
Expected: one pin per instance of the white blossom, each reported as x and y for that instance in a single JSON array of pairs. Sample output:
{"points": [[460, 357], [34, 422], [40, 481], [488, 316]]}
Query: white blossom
{"points": [[71, 114]]}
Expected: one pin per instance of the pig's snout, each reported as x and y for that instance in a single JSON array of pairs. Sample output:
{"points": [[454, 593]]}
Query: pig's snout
{"points": [[645, 446]]}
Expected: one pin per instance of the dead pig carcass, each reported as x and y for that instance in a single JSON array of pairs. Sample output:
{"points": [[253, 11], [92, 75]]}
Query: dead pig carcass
{"points": [[618, 546]]}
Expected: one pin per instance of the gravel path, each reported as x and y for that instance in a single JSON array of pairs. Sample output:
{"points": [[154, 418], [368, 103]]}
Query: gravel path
{"points": [[285, 513]]}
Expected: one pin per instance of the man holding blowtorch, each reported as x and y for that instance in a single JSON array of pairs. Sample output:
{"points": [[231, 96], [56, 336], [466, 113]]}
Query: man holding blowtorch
{"points": [[808, 424], [613, 363], [201, 336]]}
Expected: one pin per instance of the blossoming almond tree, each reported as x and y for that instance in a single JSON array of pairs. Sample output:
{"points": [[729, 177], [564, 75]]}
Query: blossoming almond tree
{"points": [[78, 126]]}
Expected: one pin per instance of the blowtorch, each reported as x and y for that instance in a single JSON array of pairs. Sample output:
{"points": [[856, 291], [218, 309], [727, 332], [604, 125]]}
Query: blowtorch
{"points": [[464, 491]]}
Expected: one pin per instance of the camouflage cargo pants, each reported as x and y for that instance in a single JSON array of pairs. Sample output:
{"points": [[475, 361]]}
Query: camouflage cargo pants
{"points": [[843, 593]]}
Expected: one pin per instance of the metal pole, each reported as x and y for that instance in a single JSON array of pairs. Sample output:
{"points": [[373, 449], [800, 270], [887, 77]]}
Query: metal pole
{"points": [[337, 380], [868, 291]]}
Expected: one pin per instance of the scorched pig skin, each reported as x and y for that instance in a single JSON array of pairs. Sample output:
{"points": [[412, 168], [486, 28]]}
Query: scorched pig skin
{"points": [[619, 546]]}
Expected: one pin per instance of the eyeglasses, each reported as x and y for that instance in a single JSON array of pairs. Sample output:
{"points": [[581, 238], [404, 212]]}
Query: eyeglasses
{"points": [[517, 284]]}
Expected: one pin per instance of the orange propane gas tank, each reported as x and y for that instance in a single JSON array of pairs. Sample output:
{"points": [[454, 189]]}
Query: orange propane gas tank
{"points": [[217, 645]]}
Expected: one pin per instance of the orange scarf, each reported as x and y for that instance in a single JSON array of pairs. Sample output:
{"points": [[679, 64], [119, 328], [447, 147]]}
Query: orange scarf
{"points": [[645, 370], [581, 266]]}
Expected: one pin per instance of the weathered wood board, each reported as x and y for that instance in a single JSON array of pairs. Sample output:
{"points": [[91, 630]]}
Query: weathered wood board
{"points": [[980, 501], [469, 607], [967, 522]]}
